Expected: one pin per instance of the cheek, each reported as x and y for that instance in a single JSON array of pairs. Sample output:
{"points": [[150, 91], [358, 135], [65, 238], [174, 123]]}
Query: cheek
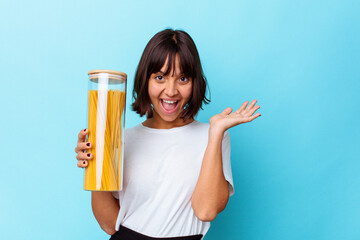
{"points": [[153, 90], [187, 93]]}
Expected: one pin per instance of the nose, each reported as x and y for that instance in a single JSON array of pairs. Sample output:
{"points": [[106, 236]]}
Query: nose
{"points": [[171, 88]]}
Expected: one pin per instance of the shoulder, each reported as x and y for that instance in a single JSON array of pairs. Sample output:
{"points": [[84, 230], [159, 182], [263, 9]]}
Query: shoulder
{"points": [[133, 130], [196, 128], [200, 125], [204, 127]]}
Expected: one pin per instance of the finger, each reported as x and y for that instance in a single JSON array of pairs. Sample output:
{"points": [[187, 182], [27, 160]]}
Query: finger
{"points": [[254, 109], [251, 105], [82, 135], [82, 164], [242, 107], [84, 156], [81, 146], [255, 116], [227, 111]]}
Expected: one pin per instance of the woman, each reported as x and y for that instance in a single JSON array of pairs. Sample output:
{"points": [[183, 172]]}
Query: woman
{"points": [[177, 172]]}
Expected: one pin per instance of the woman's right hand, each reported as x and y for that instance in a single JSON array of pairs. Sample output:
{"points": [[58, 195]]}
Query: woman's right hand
{"points": [[81, 156]]}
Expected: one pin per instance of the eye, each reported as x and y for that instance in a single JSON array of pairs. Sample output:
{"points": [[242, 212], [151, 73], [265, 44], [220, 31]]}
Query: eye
{"points": [[159, 77], [184, 79]]}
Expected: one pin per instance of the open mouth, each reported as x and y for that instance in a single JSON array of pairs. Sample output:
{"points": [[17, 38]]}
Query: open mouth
{"points": [[169, 106]]}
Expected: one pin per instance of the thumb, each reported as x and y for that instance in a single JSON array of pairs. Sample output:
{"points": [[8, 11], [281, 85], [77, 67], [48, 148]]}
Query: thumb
{"points": [[227, 111]]}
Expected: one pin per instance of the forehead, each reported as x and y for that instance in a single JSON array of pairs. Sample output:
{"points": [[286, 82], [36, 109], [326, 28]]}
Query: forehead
{"points": [[171, 67], [171, 61]]}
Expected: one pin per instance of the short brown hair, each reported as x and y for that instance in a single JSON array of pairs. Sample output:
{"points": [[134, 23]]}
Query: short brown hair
{"points": [[165, 45]]}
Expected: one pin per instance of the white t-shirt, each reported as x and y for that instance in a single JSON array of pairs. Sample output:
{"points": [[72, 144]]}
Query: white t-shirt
{"points": [[161, 169]]}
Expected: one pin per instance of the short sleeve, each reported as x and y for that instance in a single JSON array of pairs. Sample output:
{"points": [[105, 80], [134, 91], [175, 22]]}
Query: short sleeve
{"points": [[115, 194], [226, 147]]}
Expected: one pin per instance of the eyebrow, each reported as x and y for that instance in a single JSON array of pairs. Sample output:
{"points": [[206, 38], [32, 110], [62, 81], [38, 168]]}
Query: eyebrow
{"points": [[181, 74]]}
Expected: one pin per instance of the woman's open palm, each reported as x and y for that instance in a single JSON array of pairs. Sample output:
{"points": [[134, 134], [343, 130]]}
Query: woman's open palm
{"points": [[228, 119]]}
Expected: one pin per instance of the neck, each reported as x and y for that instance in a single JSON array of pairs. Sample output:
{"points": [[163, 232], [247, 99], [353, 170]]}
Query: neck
{"points": [[160, 124]]}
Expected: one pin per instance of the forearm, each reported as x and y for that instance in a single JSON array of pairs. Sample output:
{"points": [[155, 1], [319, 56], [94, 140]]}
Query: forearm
{"points": [[211, 193], [105, 208]]}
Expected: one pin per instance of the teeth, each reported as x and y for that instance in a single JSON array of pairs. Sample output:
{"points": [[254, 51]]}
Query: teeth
{"points": [[170, 102]]}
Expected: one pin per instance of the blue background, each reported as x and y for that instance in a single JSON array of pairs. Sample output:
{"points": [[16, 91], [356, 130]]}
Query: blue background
{"points": [[296, 168]]}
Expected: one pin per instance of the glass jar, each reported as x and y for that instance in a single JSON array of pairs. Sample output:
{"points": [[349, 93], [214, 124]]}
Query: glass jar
{"points": [[106, 121]]}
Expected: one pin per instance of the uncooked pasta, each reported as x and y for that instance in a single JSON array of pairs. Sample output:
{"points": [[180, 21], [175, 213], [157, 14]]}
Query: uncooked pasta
{"points": [[104, 171]]}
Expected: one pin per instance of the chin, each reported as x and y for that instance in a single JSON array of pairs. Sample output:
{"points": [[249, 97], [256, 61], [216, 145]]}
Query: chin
{"points": [[170, 118]]}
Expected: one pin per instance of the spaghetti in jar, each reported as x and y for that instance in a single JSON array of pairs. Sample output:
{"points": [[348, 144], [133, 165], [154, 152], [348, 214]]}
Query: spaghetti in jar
{"points": [[106, 120]]}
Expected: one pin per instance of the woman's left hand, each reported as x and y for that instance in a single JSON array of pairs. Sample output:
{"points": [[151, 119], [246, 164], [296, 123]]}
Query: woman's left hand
{"points": [[228, 119]]}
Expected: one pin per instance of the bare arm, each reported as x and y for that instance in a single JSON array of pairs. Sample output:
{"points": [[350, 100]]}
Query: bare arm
{"points": [[211, 193], [105, 207]]}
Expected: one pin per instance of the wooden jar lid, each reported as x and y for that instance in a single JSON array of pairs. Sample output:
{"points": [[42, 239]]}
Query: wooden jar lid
{"points": [[113, 75]]}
